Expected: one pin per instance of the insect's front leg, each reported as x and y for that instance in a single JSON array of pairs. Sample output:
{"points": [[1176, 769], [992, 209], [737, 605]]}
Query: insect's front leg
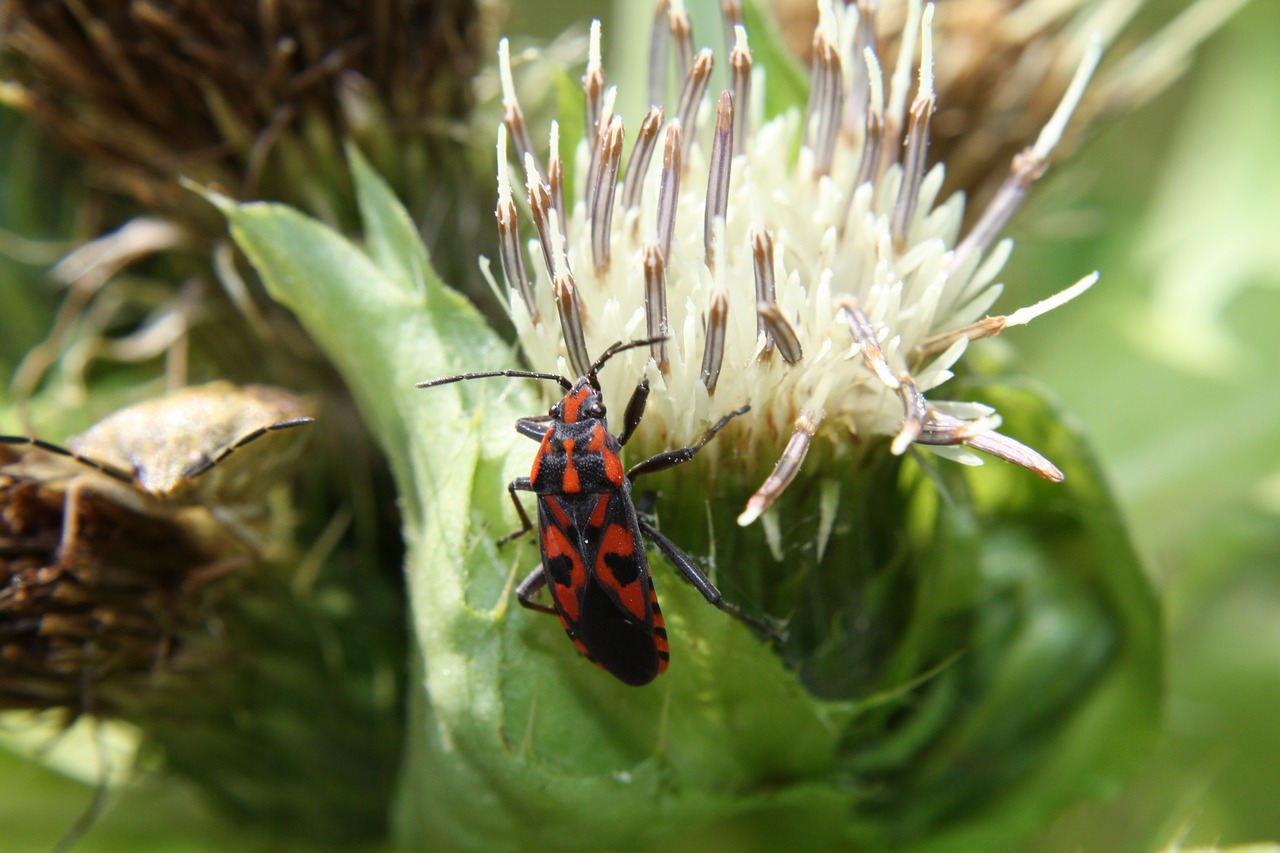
{"points": [[672, 458], [529, 587], [635, 411], [703, 584], [533, 427], [519, 484]]}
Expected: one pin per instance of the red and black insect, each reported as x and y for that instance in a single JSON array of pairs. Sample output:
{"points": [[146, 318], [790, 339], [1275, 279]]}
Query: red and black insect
{"points": [[593, 556]]}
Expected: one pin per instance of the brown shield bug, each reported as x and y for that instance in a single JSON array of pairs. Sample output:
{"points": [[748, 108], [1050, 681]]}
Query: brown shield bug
{"points": [[191, 446], [105, 543]]}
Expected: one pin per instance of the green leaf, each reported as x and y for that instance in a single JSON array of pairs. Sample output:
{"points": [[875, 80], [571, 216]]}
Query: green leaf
{"points": [[393, 241]]}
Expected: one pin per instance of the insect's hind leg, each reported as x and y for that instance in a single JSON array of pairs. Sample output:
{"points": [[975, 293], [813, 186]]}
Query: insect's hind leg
{"points": [[519, 484], [703, 584], [529, 587]]}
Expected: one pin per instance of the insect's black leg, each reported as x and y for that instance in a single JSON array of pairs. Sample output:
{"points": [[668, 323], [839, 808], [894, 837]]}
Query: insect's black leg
{"points": [[672, 458], [635, 410], [519, 484], [698, 578], [529, 587], [533, 427]]}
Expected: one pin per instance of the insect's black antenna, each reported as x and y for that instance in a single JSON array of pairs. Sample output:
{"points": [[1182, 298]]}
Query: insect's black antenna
{"points": [[511, 374], [109, 470], [615, 348], [253, 436]]}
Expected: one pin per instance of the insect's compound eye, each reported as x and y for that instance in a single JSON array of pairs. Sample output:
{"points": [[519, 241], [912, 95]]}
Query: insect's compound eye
{"points": [[595, 410], [555, 410]]}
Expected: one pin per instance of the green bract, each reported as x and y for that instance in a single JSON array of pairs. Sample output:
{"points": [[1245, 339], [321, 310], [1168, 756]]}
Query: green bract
{"points": [[991, 651]]}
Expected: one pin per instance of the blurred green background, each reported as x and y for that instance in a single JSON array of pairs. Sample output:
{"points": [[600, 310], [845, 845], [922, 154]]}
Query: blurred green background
{"points": [[1169, 364]]}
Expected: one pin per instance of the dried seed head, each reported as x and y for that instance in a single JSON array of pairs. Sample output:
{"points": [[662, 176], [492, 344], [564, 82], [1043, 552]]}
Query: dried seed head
{"points": [[220, 93]]}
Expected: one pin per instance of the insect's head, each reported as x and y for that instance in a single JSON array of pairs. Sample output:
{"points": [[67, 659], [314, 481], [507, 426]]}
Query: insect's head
{"points": [[585, 399], [582, 402]]}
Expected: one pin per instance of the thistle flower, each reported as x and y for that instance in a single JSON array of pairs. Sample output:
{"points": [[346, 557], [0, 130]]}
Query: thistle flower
{"points": [[829, 290]]}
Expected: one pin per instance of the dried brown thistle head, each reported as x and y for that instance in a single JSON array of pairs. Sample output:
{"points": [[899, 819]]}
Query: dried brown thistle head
{"points": [[250, 95]]}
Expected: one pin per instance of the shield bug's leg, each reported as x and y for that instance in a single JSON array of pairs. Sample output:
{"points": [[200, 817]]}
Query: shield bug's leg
{"points": [[672, 458], [702, 583], [529, 587], [70, 516], [519, 484], [635, 411]]}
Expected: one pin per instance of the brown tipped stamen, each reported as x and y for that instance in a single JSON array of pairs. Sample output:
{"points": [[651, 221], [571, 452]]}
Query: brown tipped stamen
{"points": [[858, 101], [784, 335], [593, 84], [917, 147], [784, 471], [655, 303], [569, 307], [594, 140], [713, 350], [669, 189], [638, 165], [682, 35], [513, 258], [509, 235], [1028, 166], [826, 104], [542, 209], [740, 63], [766, 284], [869, 163], [695, 86], [512, 115], [602, 198], [943, 429], [555, 177], [864, 335], [899, 87], [659, 37], [1027, 169], [718, 176], [731, 16]]}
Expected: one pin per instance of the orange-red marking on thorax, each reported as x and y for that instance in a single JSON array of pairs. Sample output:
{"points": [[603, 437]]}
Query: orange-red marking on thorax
{"points": [[570, 484], [542, 451], [612, 464]]}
